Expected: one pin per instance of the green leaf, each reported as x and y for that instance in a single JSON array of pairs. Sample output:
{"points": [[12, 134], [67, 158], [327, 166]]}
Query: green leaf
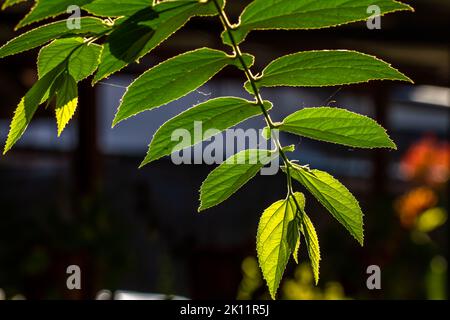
{"points": [[47, 9], [170, 80], [300, 198], [82, 57], [218, 114], [28, 106], [267, 133], [231, 175], [325, 68], [289, 148], [312, 244], [276, 240], [337, 126], [306, 14], [66, 101], [10, 3], [296, 250], [334, 196], [116, 8], [145, 30], [39, 36]]}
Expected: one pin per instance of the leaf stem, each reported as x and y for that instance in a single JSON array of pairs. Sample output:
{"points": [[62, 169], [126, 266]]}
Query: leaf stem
{"points": [[251, 78], [237, 51]]}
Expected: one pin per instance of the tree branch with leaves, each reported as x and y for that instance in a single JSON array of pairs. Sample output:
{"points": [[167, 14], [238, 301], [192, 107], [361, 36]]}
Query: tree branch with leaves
{"points": [[116, 33]]}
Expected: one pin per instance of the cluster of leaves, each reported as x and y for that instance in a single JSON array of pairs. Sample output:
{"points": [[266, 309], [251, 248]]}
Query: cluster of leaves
{"points": [[115, 33]]}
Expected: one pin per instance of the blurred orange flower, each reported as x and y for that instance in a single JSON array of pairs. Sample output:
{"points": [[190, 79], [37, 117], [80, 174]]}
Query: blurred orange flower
{"points": [[410, 205], [428, 161]]}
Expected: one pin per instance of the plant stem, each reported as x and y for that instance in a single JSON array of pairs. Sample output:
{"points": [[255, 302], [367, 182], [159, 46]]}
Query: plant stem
{"points": [[252, 80], [237, 51]]}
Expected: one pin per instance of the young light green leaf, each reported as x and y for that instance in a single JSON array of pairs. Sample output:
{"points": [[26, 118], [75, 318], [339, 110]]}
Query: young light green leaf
{"points": [[116, 8], [145, 30], [277, 237], [306, 14], [337, 126], [170, 80], [293, 238], [312, 244], [48, 9], [209, 117], [82, 57], [39, 36], [300, 198], [325, 68], [66, 101], [231, 175], [296, 250], [28, 106], [335, 197]]}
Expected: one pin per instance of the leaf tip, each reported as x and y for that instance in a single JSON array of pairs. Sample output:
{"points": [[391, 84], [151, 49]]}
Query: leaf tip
{"points": [[8, 145], [115, 122], [407, 7], [390, 144], [273, 293], [144, 163], [360, 240], [119, 117], [394, 146], [408, 79]]}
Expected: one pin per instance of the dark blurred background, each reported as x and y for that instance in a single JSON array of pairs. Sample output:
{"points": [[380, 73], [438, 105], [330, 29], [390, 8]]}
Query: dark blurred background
{"points": [[80, 199]]}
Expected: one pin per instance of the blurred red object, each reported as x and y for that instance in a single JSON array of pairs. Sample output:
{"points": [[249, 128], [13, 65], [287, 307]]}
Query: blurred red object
{"points": [[427, 161]]}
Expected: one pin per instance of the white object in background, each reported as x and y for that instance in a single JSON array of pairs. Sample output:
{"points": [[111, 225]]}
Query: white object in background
{"points": [[103, 295], [129, 295]]}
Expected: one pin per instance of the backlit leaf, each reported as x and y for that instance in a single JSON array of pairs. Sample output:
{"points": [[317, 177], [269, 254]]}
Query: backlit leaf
{"points": [[66, 101], [170, 80], [337, 126], [116, 8], [145, 30], [83, 57], [39, 36], [10, 3], [312, 244], [47, 9], [334, 196], [218, 114], [325, 68], [231, 175], [307, 14], [28, 106], [276, 240]]}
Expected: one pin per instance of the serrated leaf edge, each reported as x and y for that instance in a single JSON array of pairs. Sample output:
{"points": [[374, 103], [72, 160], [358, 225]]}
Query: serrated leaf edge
{"points": [[392, 146]]}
